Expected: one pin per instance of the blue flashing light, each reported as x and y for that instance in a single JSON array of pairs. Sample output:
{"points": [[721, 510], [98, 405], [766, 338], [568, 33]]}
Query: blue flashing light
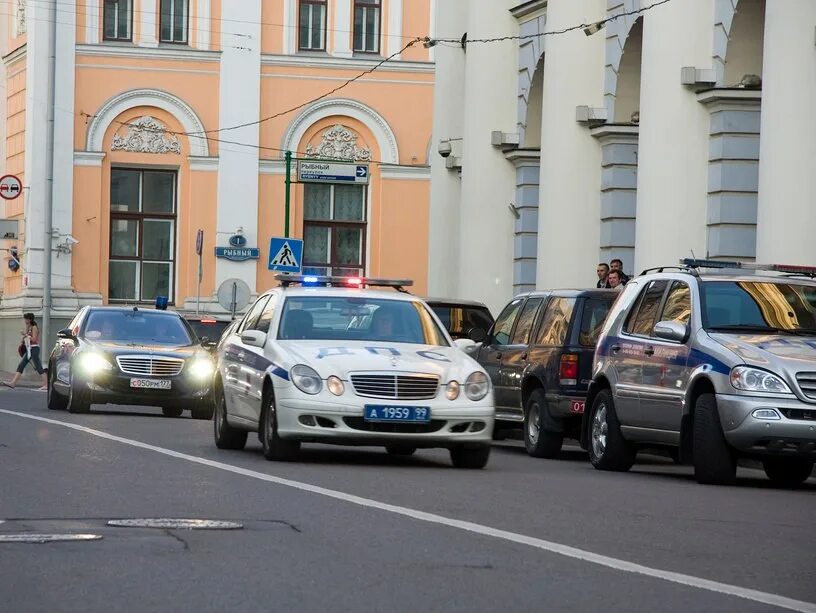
{"points": [[310, 280], [161, 303]]}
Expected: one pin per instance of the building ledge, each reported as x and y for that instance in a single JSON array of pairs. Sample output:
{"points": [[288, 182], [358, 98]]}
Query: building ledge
{"points": [[518, 156], [730, 95], [525, 9], [180, 53], [610, 131], [355, 63], [14, 56]]}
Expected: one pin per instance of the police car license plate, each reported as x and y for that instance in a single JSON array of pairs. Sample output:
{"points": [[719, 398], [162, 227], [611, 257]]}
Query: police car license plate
{"points": [[379, 412], [151, 384]]}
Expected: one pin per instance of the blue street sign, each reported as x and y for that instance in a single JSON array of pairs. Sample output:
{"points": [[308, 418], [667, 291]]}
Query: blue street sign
{"points": [[286, 255], [238, 255], [332, 172]]}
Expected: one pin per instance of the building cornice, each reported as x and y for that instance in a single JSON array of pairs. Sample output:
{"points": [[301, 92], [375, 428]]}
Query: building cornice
{"points": [[327, 61], [519, 157], [199, 163], [15, 56], [406, 173], [529, 10], [88, 158], [729, 98], [184, 54], [620, 132]]}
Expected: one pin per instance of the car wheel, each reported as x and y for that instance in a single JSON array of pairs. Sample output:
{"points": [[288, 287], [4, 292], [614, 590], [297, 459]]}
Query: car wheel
{"points": [[788, 472], [56, 401], [172, 411], [400, 450], [540, 443], [715, 463], [226, 437], [274, 447], [203, 409], [470, 457], [608, 450], [79, 397]]}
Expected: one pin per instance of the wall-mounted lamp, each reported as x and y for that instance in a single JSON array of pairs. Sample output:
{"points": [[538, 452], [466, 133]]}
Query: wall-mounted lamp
{"points": [[594, 28]]}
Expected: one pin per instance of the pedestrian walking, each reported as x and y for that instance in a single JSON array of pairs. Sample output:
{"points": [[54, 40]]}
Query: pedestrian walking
{"points": [[29, 351], [616, 264], [615, 281], [603, 271]]}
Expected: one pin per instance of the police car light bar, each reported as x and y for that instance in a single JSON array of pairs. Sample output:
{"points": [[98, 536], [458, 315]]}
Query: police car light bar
{"points": [[809, 271], [325, 281]]}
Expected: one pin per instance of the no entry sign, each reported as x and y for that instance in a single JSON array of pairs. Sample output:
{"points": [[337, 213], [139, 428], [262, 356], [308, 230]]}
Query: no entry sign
{"points": [[10, 187]]}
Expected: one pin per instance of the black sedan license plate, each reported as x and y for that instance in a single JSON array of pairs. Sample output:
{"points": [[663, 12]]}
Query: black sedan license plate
{"points": [[388, 412], [151, 384]]}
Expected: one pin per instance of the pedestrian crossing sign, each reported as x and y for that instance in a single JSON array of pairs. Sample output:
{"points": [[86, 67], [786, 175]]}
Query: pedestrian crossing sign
{"points": [[285, 255]]}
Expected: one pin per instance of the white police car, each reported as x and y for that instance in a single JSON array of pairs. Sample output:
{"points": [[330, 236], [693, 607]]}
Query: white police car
{"points": [[323, 359]]}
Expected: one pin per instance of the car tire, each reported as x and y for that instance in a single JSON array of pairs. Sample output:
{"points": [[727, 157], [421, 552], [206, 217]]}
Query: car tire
{"points": [[274, 447], [202, 410], [608, 450], [172, 411], [470, 457], [540, 443], [400, 450], [788, 472], [226, 437], [79, 397], [715, 463], [55, 400]]}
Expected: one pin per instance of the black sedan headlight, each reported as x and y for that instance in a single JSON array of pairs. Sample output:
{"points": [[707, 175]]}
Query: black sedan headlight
{"points": [[201, 368]]}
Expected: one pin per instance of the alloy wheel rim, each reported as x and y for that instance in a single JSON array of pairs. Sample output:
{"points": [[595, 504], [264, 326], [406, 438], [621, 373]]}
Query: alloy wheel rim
{"points": [[534, 423], [600, 430]]}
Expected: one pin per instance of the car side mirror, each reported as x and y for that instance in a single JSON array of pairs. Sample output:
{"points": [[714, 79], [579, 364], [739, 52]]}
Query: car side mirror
{"points": [[671, 331], [465, 344], [253, 338], [66, 334], [477, 335], [207, 343]]}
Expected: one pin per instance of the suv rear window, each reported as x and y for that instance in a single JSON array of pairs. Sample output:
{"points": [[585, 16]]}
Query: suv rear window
{"points": [[555, 323], [460, 320], [211, 328], [592, 319]]}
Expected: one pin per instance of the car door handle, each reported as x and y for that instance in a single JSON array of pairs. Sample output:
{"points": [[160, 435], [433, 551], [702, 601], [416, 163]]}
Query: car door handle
{"points": [[498, 355], [524, 356], [615, 348], [649, 351]]}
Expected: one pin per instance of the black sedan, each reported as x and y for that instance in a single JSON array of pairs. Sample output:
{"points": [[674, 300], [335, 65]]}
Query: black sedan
{"points": [[133, 356]]}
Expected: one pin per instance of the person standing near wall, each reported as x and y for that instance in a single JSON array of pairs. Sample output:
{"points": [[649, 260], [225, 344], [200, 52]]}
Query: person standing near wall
{"points": [[30, 352]]}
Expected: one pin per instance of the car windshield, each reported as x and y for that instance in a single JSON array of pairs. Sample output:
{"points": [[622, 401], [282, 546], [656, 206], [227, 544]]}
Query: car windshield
{"points": [[759, 307], [343, 318], [136, 327], [460, 320], [592, 320]]}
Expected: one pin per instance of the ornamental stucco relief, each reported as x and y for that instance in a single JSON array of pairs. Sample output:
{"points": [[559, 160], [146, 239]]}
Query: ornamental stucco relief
{"points": [[339, 143], [146, 135]]}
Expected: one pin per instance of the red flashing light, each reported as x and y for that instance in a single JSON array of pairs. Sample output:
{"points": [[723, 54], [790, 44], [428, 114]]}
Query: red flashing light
{"points": [[209, 321], [354, 281]]}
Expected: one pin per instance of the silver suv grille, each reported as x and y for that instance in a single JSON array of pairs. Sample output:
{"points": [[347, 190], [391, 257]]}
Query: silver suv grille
{"points": [[396, 387], [149, 366], [807, 383]]}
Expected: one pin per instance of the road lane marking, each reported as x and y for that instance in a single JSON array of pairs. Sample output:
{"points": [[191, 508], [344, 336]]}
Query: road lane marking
{"points": [[537, 543]]}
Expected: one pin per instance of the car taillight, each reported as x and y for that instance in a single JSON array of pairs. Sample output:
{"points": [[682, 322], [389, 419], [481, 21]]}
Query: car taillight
{"points": [[568, 371]]}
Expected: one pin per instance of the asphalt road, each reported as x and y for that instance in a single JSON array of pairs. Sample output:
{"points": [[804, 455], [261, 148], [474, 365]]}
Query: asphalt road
{"points": [[356, 530]]}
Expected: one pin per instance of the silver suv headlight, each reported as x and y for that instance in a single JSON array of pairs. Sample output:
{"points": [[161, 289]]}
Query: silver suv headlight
{"points": [[306, 379], [750, 379], [477, 385]]}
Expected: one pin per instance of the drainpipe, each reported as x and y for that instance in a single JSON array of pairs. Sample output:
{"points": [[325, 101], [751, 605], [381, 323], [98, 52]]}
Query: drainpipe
{"points": [[49, 191]]}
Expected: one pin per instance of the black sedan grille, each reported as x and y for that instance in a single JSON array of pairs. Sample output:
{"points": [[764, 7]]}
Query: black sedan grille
{"points": [[395, 387], [149, 366]]}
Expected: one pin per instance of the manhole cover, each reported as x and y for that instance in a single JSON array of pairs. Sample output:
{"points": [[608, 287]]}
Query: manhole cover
{"points": [[176, 524], [47, 538]]}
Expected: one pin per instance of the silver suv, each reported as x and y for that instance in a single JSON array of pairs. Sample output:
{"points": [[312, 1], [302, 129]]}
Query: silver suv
{"points": [[714, 365]]}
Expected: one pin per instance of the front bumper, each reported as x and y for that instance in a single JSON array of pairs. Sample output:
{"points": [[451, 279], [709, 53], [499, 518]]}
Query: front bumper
{"points": [[343, 424], [114, 388], [793, 434]]}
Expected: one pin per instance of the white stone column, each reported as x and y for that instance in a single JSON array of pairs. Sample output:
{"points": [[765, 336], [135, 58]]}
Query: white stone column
{"points": [[342, 28], [488, 179], [240, 95], [148, 23], [569, 205], [446, 185], [674, 136], [92, 23], [786, 216], [394, 39]]}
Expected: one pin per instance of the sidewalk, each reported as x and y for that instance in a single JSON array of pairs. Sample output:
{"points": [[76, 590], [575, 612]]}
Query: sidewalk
{"points": [[29, 380]]}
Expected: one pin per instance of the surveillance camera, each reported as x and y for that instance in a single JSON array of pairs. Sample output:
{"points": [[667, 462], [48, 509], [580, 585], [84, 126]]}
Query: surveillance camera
{"points": [[444, 148], [71, 240]]}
